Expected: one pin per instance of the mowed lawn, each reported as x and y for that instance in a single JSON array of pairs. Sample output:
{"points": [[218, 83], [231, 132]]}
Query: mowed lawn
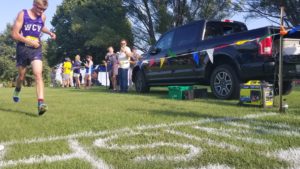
{"points": [[98, 129]]}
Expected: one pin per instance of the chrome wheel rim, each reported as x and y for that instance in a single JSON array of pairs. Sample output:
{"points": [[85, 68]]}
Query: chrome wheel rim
{"points": [[223, 84]]}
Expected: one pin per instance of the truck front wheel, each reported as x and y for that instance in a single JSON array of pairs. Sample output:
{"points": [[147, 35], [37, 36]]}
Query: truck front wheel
{"points": [[224, 83], [140, 83]]}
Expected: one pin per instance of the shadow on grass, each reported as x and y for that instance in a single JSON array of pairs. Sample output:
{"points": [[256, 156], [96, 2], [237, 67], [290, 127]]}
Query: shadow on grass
{"points": [[19, 112], [161, 93]]}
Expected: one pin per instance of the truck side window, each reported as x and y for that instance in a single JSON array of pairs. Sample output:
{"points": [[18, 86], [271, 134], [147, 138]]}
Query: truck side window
{"points": [[230, 28], [166, 41], [186, 35], [212, 30]]}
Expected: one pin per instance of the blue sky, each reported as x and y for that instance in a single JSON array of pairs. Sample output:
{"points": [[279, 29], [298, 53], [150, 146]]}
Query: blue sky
{"points": [[10, 8]]}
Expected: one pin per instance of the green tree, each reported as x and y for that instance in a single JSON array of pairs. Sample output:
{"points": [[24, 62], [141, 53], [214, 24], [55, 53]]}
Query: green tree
{"points": [[157, 16], [88, 27], [8, 70], [270, 9]]}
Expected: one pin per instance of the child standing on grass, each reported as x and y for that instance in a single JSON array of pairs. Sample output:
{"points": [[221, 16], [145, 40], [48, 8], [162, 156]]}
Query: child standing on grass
{"points": [[27, 30]]}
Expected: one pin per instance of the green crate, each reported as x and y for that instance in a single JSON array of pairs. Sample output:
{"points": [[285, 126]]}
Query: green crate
{"points": [[177, 92]]}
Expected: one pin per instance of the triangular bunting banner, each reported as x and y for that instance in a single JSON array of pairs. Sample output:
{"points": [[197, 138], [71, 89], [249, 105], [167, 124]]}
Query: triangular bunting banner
{"points": [[151, 63], [283, 31], [294, 29], [222, 46], [264, 37], [199, 59], [196, 57], [210, 53], [162, 61], [242, 42], [171, 54]]}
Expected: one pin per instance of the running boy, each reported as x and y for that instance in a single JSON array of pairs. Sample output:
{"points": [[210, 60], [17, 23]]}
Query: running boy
{"points": [[27, 31]]}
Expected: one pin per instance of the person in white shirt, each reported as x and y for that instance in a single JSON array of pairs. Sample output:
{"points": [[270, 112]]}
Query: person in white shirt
{"points": [[124, 64]]}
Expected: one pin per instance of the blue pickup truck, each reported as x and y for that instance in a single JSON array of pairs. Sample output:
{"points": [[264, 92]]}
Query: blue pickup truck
{"points": [[255, 58]]}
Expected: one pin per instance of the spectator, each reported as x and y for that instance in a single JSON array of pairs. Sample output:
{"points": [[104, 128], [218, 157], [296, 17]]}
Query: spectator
{"points": [[67, 66], [111, 62], [88, 72], [95, 81], [76, 71], [133, 60], [124, 64]]}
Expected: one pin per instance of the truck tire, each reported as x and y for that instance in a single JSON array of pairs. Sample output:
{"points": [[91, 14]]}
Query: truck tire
{"points": [[140, 83], [224, 83], [287, 87]]}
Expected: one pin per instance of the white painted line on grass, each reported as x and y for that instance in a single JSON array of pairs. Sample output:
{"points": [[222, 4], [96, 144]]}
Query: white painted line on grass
{"points": [[78, 153], [210, 166], [2, 151], [254, 116], [38, 159], [71, 136], [206, 140], [291, 155], [85, 155], [265, 130], [273, 124], [224, 133], [140, 128], [193, 151], [81, 153]]}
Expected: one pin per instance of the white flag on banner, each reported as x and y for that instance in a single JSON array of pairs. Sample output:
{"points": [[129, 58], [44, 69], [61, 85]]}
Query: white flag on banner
{"points": [[210, 53]]}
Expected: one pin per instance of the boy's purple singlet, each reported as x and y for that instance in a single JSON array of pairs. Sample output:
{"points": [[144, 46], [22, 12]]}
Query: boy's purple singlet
{"points": [[31, 29]]}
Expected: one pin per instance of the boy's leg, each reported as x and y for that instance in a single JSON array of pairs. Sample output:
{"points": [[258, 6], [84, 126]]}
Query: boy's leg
{"points": [[19, 81], [37, 68]]}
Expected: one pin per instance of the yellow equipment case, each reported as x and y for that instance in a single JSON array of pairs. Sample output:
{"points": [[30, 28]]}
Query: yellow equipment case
{"points": [[257, 93]]}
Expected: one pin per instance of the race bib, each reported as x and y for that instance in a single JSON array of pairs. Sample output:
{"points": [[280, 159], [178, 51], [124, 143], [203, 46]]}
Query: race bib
{"points": [[31, 38]]}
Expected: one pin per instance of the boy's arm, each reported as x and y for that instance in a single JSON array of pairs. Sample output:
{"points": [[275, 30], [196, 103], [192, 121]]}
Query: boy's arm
{"points": [[46, 30], [16, 29]]}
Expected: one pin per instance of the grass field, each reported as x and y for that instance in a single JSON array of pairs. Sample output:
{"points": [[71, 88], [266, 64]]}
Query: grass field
{"points": [[98, 129]]}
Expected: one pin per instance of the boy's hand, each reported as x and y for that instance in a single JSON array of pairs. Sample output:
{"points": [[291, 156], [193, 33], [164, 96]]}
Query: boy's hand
{"points": [[32, 41], [52, 35], [35, 44]]}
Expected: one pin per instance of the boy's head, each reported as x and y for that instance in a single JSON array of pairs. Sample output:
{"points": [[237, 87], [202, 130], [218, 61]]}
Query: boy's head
{"points": [[43, 3], [39, 6]]}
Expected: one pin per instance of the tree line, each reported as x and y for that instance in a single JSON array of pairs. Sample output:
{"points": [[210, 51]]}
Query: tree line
{"points": [[88, 27]]}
